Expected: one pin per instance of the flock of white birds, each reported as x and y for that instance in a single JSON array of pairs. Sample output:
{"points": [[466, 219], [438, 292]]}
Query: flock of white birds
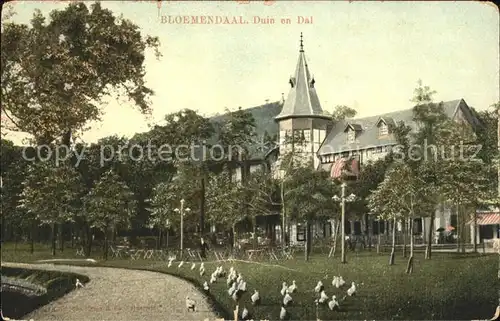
{"points": [[237, 286]]}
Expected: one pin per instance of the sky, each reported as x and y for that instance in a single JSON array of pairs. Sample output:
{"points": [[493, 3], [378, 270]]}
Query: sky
{"points": [[366, 55]]}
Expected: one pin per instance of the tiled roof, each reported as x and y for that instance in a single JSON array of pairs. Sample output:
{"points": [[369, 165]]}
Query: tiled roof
{"points": [[302, 99], [336, 140]]}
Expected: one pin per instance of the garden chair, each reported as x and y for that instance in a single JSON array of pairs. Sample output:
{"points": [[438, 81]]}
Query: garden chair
{"points": [[80, 252], [219, 256], [114, 252], [148, 254]]}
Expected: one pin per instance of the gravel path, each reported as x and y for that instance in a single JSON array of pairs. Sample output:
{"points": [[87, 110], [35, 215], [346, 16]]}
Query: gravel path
{"points": [[125, 295]]}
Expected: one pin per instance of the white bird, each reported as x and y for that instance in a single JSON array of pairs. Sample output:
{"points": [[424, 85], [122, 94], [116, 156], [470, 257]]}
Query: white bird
{"points": [[231, 290], [181, 264], [333, 304], [242, 286], [335, 282], [169, 263], [190, 304], [206, 287], [239, 278], [341, 281], [237, 295], [202, 266], [244, 314], [323, 297], [229, 281], [213, 279], [287, 299], [78, 284], [292, 288], [283, 288], [193, 266], [319, 287], [352, 290], [283, 313], [202, 272], [255, 298]]}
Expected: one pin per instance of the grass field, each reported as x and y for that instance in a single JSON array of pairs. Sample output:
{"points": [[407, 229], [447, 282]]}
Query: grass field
{"points": [[450, 286]]}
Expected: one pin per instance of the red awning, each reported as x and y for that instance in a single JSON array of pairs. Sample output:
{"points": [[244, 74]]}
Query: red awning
{"points": [[487, 219], [339, 167]]}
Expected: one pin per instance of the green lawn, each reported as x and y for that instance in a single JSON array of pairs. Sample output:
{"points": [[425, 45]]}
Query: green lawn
{"points": [[450, 286]]}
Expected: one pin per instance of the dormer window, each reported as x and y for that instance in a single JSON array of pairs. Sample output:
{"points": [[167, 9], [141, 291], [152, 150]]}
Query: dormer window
{"points": [[351, 136], [383, 129]]}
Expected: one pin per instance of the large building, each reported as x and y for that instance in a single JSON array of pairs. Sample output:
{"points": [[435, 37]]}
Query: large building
{"points": [[328, 146]]}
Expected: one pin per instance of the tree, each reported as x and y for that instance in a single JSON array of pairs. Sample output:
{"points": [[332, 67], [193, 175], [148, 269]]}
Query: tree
{"points": [[56, 72], [51, 193], [308, 192], [341, 112], [430, 117], [110, 204]]}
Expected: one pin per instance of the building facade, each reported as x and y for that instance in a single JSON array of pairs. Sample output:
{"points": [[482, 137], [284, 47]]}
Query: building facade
{"points": [[329, 146]]}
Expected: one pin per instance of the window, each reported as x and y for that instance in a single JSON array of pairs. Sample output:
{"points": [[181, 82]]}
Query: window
{"points": [[301, 233], [383, 130], [351, 136], [307, 135]]}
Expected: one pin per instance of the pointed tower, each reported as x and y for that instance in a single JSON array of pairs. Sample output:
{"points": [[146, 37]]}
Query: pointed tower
{"points": [[302, 115]]}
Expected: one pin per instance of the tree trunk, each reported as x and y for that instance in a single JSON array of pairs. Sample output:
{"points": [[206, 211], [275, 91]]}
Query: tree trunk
{"points": [[106, 232], [32, 238], [428, 248], [307, 242], [404, 230], [254, 227], [474, 242], [409, 267], [370, 231], [88, 236], [158, 244], [393, 250], [61, 236], [53, 239], [337, 231], [379, 237], [202, 203]]}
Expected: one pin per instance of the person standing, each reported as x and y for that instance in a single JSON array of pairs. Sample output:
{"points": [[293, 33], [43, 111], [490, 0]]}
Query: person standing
{"points": [[203, 248]]}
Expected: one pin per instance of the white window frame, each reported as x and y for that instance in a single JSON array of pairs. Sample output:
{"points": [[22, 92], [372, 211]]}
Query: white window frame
{"points": [[383, 129], [351, 136]]}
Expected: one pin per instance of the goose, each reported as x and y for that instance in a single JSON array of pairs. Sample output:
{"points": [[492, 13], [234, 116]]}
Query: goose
{"points": [[323, 297], [255, 298], [193, 266], [79, 284], [319, 287], [352, 290], [242, 286], [213, 279], [232, 289], [170, 261], [202, 266], [239, 278], [190, 304], [202, 272], [229, 281], [341, 281], [292, 288], [181, 264], [333, 304], [244, 314], [283, 313], [206, 287], [283, 288], [335, 282], [237, 295], [287, 299]]}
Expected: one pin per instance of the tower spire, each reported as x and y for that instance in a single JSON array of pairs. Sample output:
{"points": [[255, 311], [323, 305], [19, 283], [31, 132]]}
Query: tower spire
{"points": [[301, 43]]}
